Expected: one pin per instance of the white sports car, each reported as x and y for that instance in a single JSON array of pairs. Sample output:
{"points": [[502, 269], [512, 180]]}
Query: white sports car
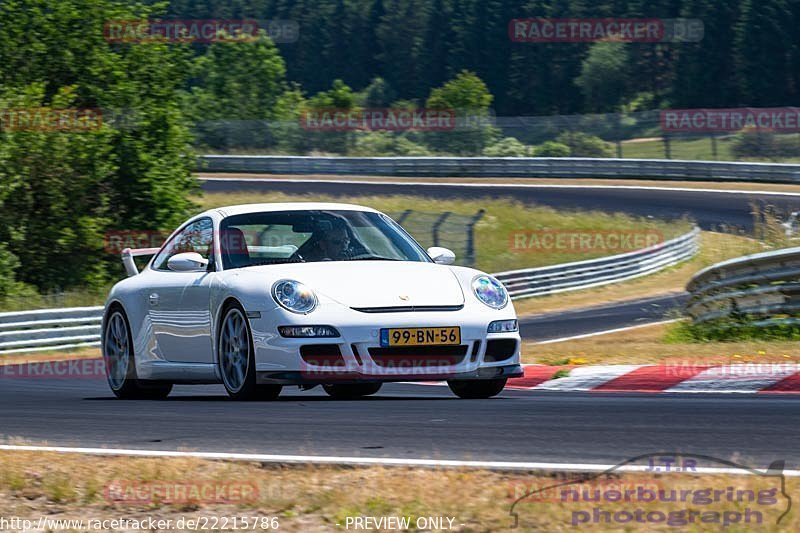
{"points": [[260, 296]]}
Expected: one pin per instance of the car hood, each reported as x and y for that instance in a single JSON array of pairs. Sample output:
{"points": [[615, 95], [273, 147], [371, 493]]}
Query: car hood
{"points": [[363, 284]]}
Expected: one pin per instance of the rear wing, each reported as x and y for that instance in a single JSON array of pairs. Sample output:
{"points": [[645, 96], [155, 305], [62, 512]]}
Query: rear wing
{"points": [[129, 253]]}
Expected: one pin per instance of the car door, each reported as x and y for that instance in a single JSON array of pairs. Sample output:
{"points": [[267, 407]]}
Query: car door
{"points": [[179, 302]]}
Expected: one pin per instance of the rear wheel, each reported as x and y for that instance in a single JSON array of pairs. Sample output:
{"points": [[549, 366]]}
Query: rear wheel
{"points": [[237, 364], [476, 389], [351, 391], [121, 365]]}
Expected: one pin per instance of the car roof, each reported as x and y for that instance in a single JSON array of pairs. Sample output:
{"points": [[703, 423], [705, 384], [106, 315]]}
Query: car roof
{"points": [[289, 206]]}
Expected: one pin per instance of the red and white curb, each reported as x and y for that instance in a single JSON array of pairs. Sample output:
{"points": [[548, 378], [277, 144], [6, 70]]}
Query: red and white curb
{"points": [[745, 378]]}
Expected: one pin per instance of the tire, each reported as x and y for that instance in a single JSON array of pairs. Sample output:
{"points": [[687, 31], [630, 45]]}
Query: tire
{"points": [[351, 391], [120, 363], [236, 358], [477, 389]]}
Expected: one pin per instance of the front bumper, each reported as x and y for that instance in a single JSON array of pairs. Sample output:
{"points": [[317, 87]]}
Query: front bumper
{"points": [[279, 360]]}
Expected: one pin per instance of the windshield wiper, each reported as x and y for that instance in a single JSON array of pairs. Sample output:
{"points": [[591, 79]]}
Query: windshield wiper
{"points": [[275, 262], [374, 258]]}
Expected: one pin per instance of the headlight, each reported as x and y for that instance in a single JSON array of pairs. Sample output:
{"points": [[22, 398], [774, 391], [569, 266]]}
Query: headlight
{"points": [[294, 296], [308, 331], [490, 291], [502, 326]]}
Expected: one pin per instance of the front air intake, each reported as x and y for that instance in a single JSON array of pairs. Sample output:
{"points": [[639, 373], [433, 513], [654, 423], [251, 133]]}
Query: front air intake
{"points": [[418, 356], [500, 350], [322, 355]]}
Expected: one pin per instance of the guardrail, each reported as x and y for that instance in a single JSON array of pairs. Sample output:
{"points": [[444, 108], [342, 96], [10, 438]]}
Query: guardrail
{"points": [[50, 329], [525, 167], [596, 272], [58, 329], [760, 286]]}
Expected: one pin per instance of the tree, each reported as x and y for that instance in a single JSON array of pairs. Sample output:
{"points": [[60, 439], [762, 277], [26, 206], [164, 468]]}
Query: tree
{"points": [[238, 80], [62, 190], [340, 97], [236, 89], [710, 62], [766, 39], [604, 76], [468, 97], [377, 94]]}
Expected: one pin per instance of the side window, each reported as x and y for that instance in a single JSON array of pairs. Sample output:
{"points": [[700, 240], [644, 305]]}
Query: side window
{"points": [[196, 237]]}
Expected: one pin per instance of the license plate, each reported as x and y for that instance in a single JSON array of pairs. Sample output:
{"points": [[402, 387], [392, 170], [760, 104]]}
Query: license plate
{"points": [[421, 336]]}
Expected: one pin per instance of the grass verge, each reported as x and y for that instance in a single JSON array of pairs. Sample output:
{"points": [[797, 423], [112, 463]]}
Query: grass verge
{"points": [[48, 356], [310, 498], [658, 344]]}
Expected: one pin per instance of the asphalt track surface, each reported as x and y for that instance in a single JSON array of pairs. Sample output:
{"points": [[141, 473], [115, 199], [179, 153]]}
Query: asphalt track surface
{"points": [[709, 209], [601, 318], [408, 421], [427, 421]]}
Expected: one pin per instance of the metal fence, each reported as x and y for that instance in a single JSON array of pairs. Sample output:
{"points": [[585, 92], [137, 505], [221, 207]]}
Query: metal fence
{"points": [[641, 134], [763, 288], [524, 167], [596, 272], [50, 329], [447, 229], [57, 329]]}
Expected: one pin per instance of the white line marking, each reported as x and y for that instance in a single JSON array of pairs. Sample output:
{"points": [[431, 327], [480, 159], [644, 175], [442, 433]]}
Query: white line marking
{"points": [[369, 461], [501, 185], [608, 331]]}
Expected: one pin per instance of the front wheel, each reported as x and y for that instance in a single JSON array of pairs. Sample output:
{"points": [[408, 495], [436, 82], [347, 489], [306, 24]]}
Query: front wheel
{"points": [[352, 391], [121, 365], [477, 389], [237, 363]]}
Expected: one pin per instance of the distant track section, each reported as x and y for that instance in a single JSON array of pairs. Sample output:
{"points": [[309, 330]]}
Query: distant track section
{"points": [[507, 167], [710, 209]]}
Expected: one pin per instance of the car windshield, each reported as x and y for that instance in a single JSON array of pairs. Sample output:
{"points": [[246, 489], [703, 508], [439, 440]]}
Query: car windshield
{"points": [[277, 237]]}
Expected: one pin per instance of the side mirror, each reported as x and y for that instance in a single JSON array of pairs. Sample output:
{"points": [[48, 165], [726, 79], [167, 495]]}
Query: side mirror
{"points": [[442, 256], [187, 262]]}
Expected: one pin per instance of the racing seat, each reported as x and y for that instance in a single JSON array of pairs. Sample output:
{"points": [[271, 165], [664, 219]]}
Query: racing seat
{"points": [[234, 248]]}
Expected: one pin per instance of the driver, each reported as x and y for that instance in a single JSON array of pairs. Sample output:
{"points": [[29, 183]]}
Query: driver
{"points": [[331, 244]]}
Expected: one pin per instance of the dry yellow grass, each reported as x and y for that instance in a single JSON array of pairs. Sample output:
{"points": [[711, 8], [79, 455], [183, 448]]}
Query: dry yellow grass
{"points": [[309, 498], [646, 345], [41, 357]]}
